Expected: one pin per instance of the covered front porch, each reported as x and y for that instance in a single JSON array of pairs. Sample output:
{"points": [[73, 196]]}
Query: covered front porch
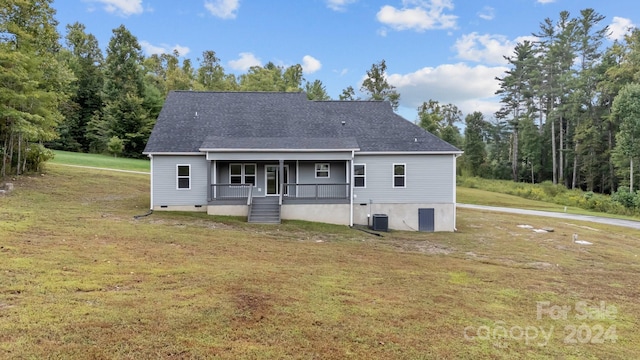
{"points": [[297, 177], [288, 181]]}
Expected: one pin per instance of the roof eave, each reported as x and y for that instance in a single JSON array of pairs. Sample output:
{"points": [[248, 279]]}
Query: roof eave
{"points": [[277, 150], [458, 152], [176, 153]]}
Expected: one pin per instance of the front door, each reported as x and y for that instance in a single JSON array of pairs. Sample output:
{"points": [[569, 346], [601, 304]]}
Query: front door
{"points": [[273, 179]]}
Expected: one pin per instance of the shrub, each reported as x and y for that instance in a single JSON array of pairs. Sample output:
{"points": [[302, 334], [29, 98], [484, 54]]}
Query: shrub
{"points": [[626, 198], [552, 189], [37, 154]]}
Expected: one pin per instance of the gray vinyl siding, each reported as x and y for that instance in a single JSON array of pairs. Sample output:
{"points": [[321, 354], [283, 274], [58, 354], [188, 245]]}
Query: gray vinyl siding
{"points": [[337, 172], [429, 179], [165, 191]]}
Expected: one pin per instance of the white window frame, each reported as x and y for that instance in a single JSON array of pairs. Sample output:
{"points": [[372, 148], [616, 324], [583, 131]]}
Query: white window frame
{"points": [[393, 175], [243, 174], [178, 176], [364, 177], [318, 169]]}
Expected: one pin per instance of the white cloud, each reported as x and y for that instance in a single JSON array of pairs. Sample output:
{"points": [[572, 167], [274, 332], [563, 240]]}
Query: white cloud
{"points": [[418, 15], [486, 48], [151, 49], [620, 27], [487, 13], [341, 72], [545, 1], [122, 7], [224, 9], [245, 61], [310, 64], [469, 88], [339, 5]]}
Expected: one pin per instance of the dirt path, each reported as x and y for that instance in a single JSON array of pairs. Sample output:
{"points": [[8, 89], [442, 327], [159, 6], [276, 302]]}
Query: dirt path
{"points": [[596, 219]]}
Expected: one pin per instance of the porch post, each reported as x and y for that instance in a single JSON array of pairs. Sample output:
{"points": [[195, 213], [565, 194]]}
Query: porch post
{"points": [[209, 198], [215, 179], [281, 179]]}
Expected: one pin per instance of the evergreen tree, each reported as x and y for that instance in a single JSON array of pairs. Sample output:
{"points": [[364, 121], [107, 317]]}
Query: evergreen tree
{"points": [[475, 154], [124, 91], [316, 91], [85, 60], [517, 97]]}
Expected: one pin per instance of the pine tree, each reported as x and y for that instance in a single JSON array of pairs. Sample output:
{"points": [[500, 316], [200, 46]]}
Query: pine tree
{"points": [[124, 91], [475, 154]]}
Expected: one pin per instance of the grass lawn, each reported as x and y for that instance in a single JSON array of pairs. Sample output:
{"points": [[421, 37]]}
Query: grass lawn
{"points": [[100, 161], [467, 195], [83, 279]]}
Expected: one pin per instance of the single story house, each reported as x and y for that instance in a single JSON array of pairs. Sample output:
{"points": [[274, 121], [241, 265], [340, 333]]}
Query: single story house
{"points": [[272, 156]]}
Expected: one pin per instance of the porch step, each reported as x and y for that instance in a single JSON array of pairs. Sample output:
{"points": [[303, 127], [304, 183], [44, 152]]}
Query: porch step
{"points": [[264, 210]]}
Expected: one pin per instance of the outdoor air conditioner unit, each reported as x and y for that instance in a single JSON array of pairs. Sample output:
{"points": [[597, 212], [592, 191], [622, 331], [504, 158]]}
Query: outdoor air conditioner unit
{"points": [[380, 222]]}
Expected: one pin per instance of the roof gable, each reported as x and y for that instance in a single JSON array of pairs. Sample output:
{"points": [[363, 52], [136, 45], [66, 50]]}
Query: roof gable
{"points": [[191, 121]]}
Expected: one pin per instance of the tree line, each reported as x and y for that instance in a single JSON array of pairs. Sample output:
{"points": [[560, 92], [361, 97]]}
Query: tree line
{"points": [[569, 107], [570, 110], [65, 93]]}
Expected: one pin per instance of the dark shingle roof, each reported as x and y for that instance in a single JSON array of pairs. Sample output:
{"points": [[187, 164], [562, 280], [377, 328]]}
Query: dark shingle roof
{"points": [[190, 121]]}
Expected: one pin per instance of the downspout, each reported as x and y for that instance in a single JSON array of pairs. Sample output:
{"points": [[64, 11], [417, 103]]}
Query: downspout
{"points": [[455, 209], [151, 180], [281, 180], [351, 189]]}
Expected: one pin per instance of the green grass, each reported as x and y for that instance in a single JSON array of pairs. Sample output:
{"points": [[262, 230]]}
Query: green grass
{"points": [[553, 194], [81, 278], [483, 197], [98, 160]]}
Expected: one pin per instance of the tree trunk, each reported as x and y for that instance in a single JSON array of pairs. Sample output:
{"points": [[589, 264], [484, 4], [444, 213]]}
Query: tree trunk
{"points": [[561, 153], [631, 175], [514, 160], [11, 146], [574, 178], [612, 173], [4, 156], [533, 180], [19, 163], [553, 152]]}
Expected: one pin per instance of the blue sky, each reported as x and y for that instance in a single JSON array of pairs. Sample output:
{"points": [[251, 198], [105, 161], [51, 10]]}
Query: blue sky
{"points": [[445, 50]]}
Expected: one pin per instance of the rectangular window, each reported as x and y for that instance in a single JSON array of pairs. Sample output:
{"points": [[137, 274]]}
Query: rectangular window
{"points": [[250, 174], [242, 174], [322, 170], [235, 174], [184, 177], [399, 175], [359, 175]]}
